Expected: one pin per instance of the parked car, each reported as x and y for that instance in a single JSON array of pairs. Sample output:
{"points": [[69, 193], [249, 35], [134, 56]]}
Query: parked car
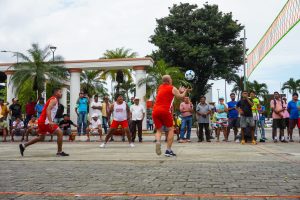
{"points": [[268, 123]]}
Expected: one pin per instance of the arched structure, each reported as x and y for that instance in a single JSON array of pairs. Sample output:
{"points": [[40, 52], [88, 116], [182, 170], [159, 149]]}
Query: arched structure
{"points": [[75, 67]]}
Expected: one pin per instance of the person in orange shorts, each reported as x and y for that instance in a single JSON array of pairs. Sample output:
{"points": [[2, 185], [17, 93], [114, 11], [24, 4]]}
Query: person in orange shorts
{"points": [[162, 115], [121, 112], [46, 124]]}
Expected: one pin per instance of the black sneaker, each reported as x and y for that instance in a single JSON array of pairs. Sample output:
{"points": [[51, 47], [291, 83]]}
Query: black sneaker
{"points": [[261, 140], [22, 149], [62, 154], [284, 141], [169, 153], [112, 139]]}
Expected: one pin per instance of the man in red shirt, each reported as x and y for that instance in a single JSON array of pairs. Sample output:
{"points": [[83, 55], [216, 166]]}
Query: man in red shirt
{"points": [[46, 124], [162, 115], [30, 111]]}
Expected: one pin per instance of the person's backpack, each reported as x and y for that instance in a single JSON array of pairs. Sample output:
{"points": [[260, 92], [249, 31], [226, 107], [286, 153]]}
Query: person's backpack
{"points": [[274, 100]]}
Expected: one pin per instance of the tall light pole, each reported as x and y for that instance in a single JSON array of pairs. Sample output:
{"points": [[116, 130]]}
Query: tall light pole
{"points": [[225, 91], [52, 48], [14, 52], [244, 57]]}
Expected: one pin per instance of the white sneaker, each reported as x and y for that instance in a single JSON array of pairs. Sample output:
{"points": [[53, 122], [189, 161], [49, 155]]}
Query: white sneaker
{"points": [[131, 145], [102, 145], [237, 141]]}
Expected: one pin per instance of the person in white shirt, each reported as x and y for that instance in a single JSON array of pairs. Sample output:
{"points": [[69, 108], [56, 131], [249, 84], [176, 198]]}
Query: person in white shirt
{"points": [[17, 128], [96, 107], [94, 127], [137, 117]]}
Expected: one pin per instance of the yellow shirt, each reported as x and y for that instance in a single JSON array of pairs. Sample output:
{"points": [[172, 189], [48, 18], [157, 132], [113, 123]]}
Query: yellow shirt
{"points": [[3, 111], [104, 109]]}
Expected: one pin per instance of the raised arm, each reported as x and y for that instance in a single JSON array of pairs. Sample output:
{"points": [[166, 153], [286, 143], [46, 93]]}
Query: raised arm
{"points": [[179, 95]]}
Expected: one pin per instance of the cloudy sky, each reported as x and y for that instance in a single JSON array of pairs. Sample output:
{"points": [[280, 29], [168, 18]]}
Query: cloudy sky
{"points": [[84, 29]]}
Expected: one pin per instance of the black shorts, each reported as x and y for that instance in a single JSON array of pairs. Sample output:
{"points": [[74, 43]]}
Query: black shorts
{"points": [[233, 122], [278, 123], [286, 122]]}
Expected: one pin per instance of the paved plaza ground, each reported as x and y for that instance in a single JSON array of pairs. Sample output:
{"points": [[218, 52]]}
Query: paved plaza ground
{"points": [[200, 171]]}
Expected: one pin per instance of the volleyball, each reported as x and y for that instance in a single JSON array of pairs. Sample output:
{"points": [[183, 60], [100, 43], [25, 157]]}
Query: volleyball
{"points": [[189, 75]]}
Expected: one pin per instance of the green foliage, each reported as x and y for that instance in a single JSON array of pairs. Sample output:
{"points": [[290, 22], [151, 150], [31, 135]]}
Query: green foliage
{"points": [[3, 94], [92, 84], [26, 93], [118, 75], [200, 39], [154, 77], [36, 69], [126, 88], [291, 85], [261, 89]]}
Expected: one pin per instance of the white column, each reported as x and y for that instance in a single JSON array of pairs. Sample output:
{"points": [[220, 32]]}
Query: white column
{"points": [[74, 92], [140, 73], [11, 90], [63, 99]]}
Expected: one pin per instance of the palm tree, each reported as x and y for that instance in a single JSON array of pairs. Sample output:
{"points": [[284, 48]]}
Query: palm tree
{"points": [[128, 87], [291, 85], [118, 75], [238, 86], [261, 89], [37, 69], [92, 84], [154, 77]]}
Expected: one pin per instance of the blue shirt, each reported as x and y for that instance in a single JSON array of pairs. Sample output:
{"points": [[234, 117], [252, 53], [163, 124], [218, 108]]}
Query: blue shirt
{"points": [[293, 109], [298, 105], [262, 116], [232, 113], [39, 109], [82, 105], [223, 114]]}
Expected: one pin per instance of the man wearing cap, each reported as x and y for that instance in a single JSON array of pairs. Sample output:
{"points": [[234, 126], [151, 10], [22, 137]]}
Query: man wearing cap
{"points": [[222, 120], [137, 117], [94, 127]]}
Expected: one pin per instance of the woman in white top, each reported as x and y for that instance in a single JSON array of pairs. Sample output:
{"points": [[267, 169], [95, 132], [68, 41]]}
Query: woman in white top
{"points": [[121, 115]]}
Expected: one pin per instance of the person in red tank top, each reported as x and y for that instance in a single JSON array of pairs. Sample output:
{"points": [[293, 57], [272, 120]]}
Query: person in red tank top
{"points": [[46, 124], [162, 115]]}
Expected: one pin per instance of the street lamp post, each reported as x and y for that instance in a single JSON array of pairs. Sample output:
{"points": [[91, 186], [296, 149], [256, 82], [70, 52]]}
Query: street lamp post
{"points": [[15, 52], [52, 48], [244, 59], [218, 94]]}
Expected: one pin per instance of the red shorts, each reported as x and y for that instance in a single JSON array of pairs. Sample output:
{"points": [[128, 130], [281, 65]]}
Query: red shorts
{"points": [[44, 129], [116, 124], [293, 123], [162, 118]]}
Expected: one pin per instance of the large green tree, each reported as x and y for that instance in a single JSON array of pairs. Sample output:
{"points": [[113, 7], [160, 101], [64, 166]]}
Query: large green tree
{"points": [[38, 69], [202, 39], [291, 85]]}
